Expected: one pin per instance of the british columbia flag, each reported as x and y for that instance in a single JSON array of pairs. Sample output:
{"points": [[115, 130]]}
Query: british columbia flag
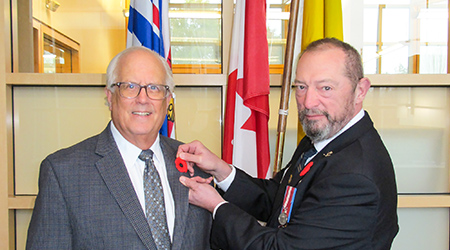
{"points": [[148, 26]]}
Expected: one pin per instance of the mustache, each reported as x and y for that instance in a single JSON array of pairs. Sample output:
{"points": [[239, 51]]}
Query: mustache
{"points": [[305, 112]]}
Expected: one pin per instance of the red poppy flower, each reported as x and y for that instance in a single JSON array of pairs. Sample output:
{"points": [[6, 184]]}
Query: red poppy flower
{"points": [[181, 165], [306, 168]]}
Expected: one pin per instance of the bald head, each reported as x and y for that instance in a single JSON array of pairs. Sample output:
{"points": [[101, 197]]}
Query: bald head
{"points": [[117, 63]]}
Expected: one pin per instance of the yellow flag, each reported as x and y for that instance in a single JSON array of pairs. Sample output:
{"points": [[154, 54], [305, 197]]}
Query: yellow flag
{"points": [[333, 19], [321, 18]]}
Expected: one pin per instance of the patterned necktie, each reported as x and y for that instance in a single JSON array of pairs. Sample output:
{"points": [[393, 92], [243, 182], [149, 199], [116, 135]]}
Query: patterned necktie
{"points": [[154, 202]]}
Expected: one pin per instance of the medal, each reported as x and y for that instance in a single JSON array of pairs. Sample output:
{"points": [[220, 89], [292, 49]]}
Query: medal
{"points": [[282, 218], [288, 202]]}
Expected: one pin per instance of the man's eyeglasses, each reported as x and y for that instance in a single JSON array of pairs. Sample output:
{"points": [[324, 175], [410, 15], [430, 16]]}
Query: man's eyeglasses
{"points": [[131, 90]]}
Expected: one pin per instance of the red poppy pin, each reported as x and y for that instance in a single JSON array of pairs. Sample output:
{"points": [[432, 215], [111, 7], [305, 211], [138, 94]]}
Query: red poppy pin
{"points": [[306, 168], [181, 165]]}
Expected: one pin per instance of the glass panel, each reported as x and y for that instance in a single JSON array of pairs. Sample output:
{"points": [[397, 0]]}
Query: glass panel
{"points": [[196, 36], [409, 35], [433, 40], [394, 59], [395, 26], [433, 59], [23, 218], [53, 51], [370, 23], [276, 41], [57, 57], [406, 26], [431, 20], [50, 118], [278, 12], [419, 148], [370, 59], [422, 228], [198, 116]]}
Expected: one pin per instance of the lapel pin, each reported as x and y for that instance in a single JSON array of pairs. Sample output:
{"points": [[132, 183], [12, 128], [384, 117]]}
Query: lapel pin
{"points": [[181, 165], [328, 154]]}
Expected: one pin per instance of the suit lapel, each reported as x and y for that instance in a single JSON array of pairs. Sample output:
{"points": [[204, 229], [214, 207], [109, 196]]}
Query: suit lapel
{"points": [[319, 161], [330, 150], [114, 173], [179, 192]]}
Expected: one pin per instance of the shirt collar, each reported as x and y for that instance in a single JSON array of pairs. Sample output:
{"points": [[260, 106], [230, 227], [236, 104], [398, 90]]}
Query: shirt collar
{"points": [[129, 151], [321, 144]]}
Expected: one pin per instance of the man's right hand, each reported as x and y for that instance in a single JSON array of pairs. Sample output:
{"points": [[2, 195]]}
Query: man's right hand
{"points": [[196, 153]]}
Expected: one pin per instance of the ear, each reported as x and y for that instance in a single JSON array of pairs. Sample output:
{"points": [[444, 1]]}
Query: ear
{"points": [[361, 90], [109, 95]]}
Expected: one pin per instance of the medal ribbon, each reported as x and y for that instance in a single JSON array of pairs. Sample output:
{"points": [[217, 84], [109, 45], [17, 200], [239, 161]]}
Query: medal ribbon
{"points": [[288, 201]]}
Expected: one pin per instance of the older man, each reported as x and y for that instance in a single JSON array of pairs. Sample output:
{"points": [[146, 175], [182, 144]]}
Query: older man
{"points": [[337, 192], [120, 189]]}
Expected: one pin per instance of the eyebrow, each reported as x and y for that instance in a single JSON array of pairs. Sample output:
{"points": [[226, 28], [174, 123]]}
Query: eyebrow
{"points": [[316, 82]]}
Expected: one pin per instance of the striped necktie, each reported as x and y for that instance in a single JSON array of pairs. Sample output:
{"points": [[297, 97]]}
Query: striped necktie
{"points": [[306, 155]]}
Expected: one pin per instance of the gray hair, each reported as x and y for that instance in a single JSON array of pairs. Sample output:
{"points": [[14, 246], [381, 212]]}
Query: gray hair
{"points": [[111, 71], [353, 63]]}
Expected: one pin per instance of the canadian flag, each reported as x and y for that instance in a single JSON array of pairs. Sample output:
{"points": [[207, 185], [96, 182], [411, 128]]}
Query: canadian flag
{"points": [[246, 139]]}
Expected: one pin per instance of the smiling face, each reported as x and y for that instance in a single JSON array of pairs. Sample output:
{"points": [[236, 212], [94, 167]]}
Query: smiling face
{"points": [[138, 119], [326, 98]]}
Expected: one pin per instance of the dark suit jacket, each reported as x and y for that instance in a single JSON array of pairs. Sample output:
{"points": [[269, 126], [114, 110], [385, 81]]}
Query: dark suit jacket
{"points": [[348, 200], [86, 201]]}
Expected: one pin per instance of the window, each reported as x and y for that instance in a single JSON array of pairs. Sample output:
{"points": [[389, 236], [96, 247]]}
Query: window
{"points": [[196, 36], [53, 51], [403, 37], [278, 12]]}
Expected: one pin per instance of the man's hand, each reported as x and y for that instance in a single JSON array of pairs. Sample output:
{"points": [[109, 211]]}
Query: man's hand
{"points": [[196, 153], [201, 193]]}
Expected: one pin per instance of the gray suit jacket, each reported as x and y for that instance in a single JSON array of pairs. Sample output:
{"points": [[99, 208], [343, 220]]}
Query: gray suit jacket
{"points": [[86, 201]]}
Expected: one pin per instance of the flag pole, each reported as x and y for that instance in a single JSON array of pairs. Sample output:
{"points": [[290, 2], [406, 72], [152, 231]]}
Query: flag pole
{"points": [[286, 85]]}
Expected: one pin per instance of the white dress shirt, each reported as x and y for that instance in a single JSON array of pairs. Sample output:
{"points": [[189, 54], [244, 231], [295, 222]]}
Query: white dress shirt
{"points": [[135, 168]]}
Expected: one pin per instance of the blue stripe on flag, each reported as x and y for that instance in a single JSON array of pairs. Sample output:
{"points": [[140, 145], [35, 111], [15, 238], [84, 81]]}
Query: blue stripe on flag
{"points": [[143, 30], [165, 128]]}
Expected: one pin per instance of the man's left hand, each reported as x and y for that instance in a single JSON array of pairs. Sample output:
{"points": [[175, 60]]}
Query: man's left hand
{"points": [[201, 193]]}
